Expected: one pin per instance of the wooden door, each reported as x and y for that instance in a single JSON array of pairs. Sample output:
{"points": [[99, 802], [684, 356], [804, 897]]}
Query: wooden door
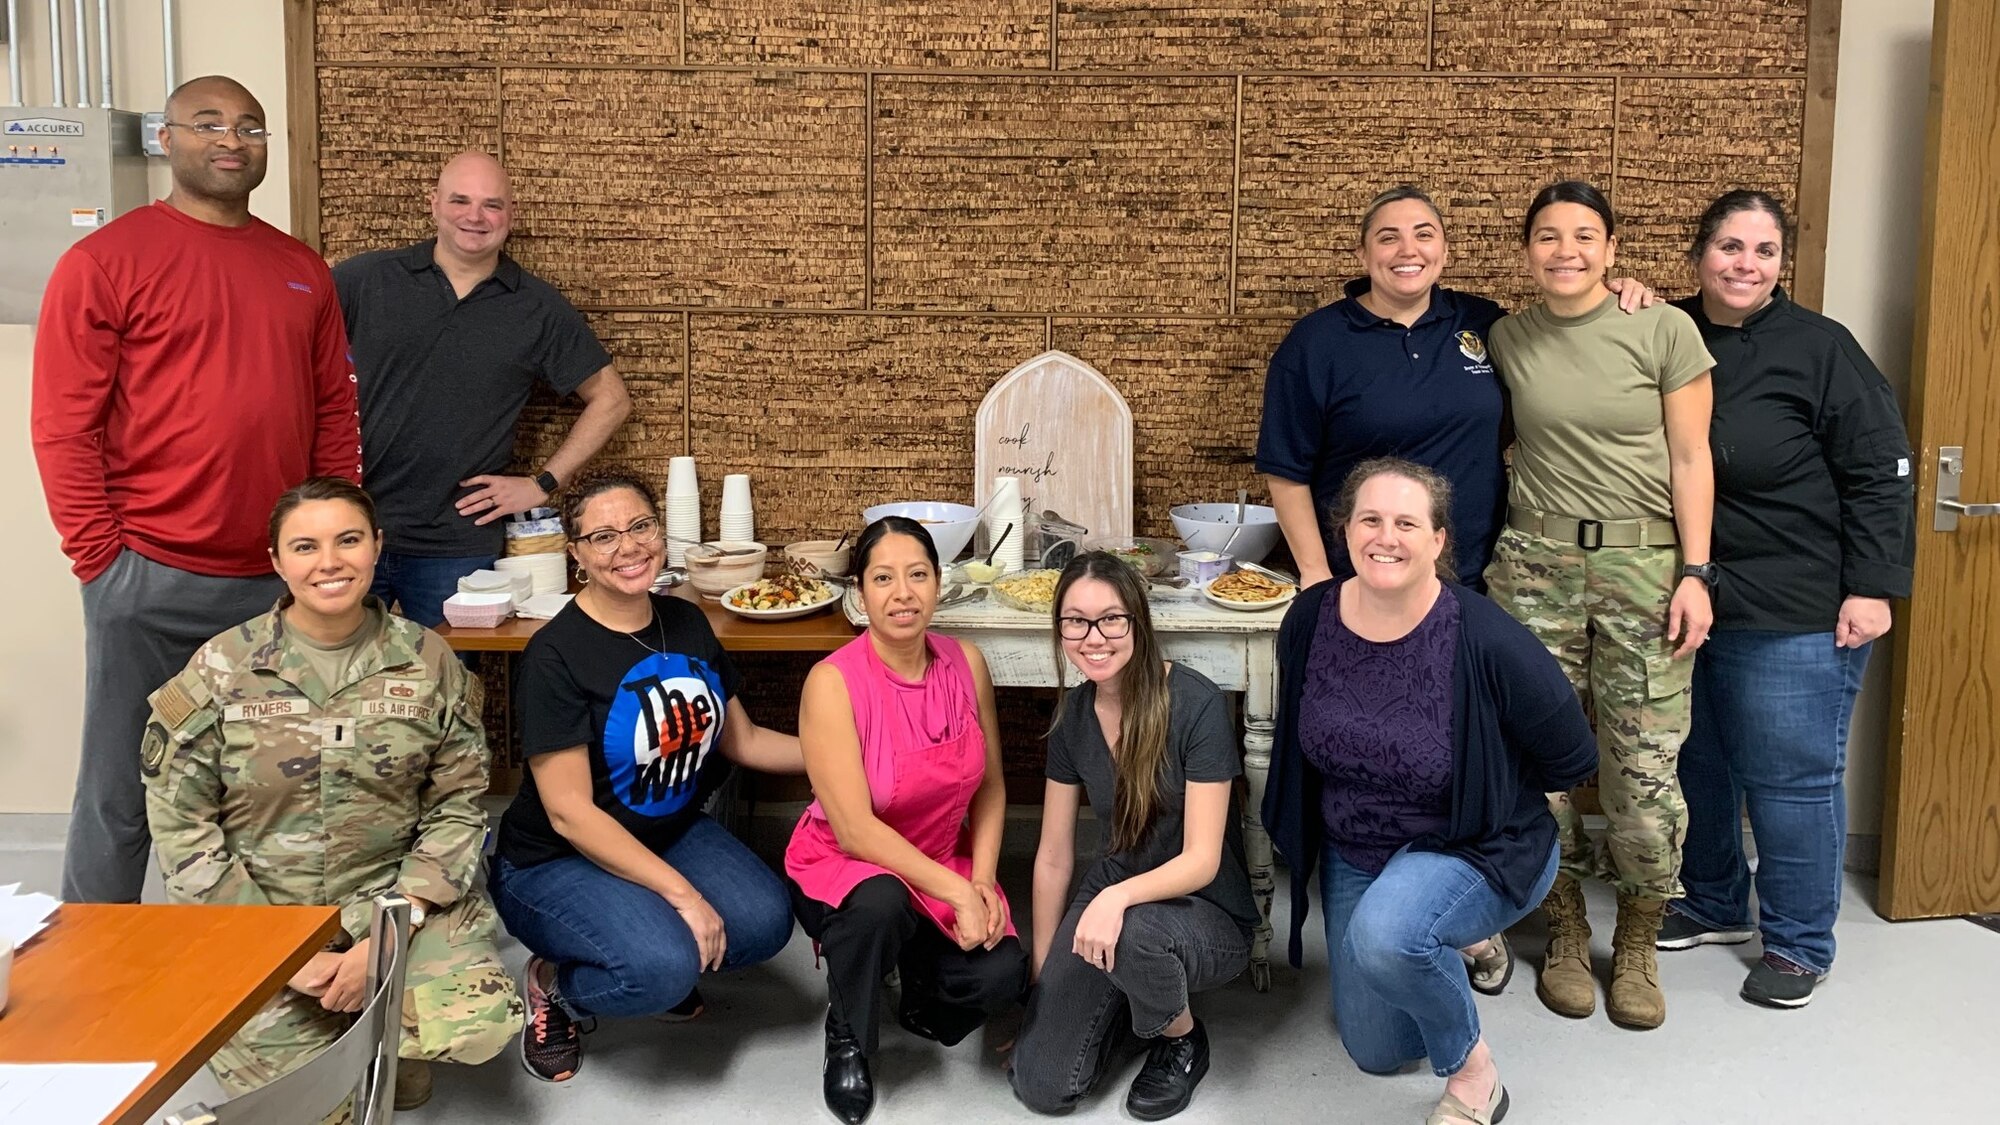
{"points": [[1941, 832]]}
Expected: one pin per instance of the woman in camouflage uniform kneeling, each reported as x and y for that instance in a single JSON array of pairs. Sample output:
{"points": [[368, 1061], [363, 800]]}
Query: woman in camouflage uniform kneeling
{"points": [[322, 754]]}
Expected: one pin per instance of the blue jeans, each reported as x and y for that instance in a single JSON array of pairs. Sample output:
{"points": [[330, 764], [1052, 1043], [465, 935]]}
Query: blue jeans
{"points": [[422, 584], [621, 950], [1770, 732], [1400, 992]]}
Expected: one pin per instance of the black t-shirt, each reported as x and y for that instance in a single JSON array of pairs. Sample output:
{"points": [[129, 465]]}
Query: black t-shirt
{"points": [[442, 381], [650, 721], [1201, 746]]}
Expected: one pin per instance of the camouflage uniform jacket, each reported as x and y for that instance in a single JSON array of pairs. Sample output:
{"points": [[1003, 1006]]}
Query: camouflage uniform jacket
{"points": [[265, 785]]}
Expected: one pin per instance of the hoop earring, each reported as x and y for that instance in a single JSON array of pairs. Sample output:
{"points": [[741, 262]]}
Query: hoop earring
{"points": [[582, 576]]}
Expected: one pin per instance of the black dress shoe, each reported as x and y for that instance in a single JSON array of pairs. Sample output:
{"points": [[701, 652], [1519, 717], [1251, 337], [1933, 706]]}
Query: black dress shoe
{"points": [[1174, 1067], [846, 1082], [940, 1023]]}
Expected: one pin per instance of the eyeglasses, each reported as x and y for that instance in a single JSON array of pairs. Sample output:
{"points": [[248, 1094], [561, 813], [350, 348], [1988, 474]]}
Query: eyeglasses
{"points": [[214, 131], [605, 541], [1112, 626]]}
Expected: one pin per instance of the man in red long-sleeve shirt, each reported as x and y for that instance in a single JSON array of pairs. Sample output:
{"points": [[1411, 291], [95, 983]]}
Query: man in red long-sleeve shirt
{"points": [[190, 365]]}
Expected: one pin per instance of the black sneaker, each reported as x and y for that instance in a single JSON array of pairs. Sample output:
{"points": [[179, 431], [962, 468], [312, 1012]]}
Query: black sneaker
{"points": [[689, 1008], [1776, 982], [1174, 1067], [551, 1043], [1678, 931]]}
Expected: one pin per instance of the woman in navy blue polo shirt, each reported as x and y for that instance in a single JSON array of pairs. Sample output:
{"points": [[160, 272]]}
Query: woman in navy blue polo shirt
{"points": [[1396, 368]]}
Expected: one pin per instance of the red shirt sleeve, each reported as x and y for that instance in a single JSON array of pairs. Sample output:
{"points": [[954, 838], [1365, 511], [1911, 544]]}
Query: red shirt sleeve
{"points": [[337, 444], [76, 363]]}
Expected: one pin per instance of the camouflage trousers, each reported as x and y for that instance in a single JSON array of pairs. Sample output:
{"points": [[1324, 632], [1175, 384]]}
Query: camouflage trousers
{"points": [[459, 1005], [1603, 615]]}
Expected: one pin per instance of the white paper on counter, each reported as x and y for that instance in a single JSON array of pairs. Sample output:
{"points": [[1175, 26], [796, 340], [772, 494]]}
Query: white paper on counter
{"points": [[67, 1093], [23, 916]]}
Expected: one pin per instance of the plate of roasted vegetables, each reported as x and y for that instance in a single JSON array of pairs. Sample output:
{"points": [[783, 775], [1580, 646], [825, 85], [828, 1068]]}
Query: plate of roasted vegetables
{"points": [[779, 598]]}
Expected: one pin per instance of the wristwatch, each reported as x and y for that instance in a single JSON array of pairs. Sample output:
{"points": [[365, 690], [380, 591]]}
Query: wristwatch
{"points": [[546, 481], [416, 917], [1705, 572]]}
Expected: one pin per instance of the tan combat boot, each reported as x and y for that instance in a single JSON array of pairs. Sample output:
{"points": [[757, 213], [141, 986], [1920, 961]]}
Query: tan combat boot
{"points": [[1566, 985], [1635, 1000]]}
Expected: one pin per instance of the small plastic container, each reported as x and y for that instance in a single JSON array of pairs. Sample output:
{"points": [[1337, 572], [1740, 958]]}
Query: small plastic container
{"points": [[1202, 567], [478, 611]]}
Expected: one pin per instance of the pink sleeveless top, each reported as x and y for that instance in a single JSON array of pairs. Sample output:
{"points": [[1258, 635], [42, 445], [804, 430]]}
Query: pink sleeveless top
{"points": [[924, 755]]}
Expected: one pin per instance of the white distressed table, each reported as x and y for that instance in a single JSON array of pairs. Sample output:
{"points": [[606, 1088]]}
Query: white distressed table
{"points": [[1236, 649]]}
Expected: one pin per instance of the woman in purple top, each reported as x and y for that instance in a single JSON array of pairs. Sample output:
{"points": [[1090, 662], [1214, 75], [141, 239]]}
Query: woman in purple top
{"points": [[1418, 730]]}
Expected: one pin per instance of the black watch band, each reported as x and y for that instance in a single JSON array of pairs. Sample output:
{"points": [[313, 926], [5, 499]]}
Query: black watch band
{"points": [[1705, 572], [546, 481]]}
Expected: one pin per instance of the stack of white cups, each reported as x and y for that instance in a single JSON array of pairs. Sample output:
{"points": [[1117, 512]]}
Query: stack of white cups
{"points": [[1004, 511], [735, 519], [683, 509]]}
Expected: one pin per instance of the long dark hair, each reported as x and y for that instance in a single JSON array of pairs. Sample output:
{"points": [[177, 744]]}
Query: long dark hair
{"points": [[320, 488], [883, 528], [1432, 481], [1731, 202], [1143, 706], [1568, 191]]}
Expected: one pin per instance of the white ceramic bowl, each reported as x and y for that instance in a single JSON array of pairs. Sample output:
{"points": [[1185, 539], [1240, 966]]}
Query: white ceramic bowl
{"points": [[951, 525], [713, 573], [1207, 527]]}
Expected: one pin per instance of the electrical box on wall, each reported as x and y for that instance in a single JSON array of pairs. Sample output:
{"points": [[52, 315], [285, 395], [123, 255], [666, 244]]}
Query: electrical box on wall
{"points": [[63, 173]]}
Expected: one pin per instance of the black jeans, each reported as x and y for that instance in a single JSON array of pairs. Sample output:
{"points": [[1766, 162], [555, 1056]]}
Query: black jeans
{"points": [[1166, 951], [946, 988]]}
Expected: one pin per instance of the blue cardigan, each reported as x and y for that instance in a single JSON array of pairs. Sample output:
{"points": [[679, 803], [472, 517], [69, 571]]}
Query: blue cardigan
{"points": [[1517, 733]]}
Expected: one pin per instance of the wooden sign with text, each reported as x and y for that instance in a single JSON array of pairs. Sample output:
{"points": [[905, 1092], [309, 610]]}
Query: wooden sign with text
{"points": [[1067, 433]]}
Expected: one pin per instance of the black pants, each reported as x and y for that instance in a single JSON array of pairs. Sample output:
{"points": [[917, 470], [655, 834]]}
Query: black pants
{"points": [[945, 988]]}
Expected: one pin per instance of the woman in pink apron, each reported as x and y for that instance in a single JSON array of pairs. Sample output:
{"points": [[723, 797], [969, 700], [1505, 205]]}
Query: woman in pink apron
{"points": [[888, 869]]}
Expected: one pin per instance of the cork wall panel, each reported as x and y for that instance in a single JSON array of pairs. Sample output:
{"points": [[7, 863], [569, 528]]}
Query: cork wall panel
{"points": [[1196, 391], [493, 31], [1682, 142], [832, 414], [981, 34], [397, 30], [1315, 151], [648, 350], [677, 188], [384, 133], [1204, 35], [1053, 194], [1700, 36]]}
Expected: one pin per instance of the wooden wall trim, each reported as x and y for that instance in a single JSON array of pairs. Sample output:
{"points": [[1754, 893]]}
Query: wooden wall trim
{"points": [[302, 117], [1815, 198]]}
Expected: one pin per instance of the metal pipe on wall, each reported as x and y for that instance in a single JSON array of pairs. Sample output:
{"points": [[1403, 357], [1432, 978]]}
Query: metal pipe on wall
{"points": [[82, 58], [13, 52], [167, 44], [57, 88], [104, 53]]}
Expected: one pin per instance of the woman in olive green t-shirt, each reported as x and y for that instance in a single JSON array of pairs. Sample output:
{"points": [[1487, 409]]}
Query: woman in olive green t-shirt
{"points": [[1605, 556]]}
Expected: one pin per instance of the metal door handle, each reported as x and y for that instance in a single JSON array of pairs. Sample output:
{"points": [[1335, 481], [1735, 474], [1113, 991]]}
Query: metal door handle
{"points": [[1951, 468]]}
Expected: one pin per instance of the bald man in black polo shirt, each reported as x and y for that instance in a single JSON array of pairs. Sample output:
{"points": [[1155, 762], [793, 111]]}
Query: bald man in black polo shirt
{"points": [[449, 338]]}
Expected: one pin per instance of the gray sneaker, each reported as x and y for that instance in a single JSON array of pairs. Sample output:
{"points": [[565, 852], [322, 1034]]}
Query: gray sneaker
{"points": [[1678, 931], [1776, 982]]}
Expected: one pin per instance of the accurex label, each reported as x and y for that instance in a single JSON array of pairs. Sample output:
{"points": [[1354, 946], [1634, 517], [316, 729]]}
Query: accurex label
{"points": [[43, 127]]}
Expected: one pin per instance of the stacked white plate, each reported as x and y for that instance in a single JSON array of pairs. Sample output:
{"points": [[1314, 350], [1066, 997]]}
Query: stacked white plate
{"points": [[735, 519], [683, 502], [520, 583], [547, 573]]}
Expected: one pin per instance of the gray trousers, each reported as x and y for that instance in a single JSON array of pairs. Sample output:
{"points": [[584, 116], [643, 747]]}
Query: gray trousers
{"points": [[1077, 1012], [142, 621]]}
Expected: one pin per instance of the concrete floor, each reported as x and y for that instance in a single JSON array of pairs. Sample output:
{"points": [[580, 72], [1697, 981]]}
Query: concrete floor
{"points": [[1907, 1030]]}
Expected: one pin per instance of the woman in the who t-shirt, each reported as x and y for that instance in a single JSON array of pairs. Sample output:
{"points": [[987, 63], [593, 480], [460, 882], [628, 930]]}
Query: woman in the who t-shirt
{"points": [[607, 869]]}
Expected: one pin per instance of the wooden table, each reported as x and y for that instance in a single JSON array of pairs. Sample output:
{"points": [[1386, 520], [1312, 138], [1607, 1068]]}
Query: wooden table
{"points": [[159, 984], [1237, 650]]}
